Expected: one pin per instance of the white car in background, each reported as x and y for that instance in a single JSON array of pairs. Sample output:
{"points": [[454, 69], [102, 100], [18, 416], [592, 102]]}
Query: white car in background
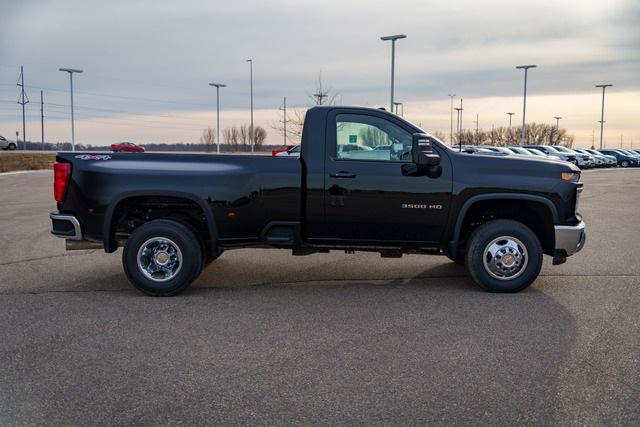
{"points": [[5, 144]]}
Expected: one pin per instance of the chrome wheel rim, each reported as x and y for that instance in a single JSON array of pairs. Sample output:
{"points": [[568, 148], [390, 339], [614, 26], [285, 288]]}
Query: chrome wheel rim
{"points": [[159, 259], [505, 258]]}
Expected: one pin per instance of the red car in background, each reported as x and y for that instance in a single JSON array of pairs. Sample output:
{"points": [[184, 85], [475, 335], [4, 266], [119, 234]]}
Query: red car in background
{"points": [[287, 148], [126, 147]]}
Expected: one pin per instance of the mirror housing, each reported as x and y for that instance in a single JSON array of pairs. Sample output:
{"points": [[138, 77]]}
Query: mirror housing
{"points": [[422, 152]]}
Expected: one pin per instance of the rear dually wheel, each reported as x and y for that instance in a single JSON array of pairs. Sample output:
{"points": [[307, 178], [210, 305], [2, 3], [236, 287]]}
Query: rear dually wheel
{"points": [[162, 257]]}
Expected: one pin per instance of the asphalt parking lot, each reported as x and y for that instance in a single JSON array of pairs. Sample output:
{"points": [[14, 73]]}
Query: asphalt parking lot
{"points": [[267, 338]]}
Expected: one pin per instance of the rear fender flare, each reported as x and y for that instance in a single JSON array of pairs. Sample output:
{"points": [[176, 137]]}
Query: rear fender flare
{"points": [[110, 244]]}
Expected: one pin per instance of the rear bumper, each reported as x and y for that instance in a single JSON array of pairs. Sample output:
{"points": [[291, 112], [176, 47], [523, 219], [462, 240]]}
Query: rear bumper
{"points": [[570, 238], [65, 226]]}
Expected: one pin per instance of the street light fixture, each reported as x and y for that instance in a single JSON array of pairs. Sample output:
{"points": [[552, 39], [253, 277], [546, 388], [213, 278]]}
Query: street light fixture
{"points": [[73, 133], [451, 95], [251, 136], [218, 86], [524, 104], [557, 121], [393, 58], [603, 86]]}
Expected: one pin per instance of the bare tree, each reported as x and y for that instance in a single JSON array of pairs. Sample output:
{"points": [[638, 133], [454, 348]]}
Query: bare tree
{"points": [[440, 135], [244, 138], [322, 95], [260, 136], [537, 134], [208, 138], [230, 137], [372, 136]]}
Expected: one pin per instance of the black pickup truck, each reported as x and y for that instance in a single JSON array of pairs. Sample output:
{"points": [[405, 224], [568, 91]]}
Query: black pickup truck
{"points": [[366, 180]]}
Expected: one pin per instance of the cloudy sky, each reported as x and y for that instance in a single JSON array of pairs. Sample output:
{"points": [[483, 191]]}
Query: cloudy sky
{"points": [[147, 64]]}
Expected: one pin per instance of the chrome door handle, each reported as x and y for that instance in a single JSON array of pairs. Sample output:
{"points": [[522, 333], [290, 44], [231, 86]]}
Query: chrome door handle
{"points": [[342, 174]]}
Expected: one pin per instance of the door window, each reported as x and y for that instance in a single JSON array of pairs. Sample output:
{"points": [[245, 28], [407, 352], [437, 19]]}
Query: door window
{"points": [[364, 137]]}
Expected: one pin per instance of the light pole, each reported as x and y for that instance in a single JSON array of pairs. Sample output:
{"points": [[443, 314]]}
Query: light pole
{"points": [[451, 95], [218, 86], [393, 58], [250, 61], [510, 116], [459, 114], [401, 105], [557, 128], [603, 86], [73, 132], [524, 104], [557, 122]]}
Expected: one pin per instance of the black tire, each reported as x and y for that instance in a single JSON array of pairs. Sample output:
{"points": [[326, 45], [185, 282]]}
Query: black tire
{"points": [[480, 241], [624, 164], [11, 147], [177, 234]]}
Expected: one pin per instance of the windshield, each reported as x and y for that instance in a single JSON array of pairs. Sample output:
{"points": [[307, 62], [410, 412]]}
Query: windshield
{"points": [[536, 151], [520, 150], [564, 150]]}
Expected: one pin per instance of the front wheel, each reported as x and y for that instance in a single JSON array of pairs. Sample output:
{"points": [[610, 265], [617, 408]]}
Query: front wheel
{"points": [[12, 147], [504, 256], [162, 257], [624, 164]]}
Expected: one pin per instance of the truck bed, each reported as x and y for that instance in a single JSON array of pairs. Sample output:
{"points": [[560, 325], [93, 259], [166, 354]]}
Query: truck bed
{"points": [[244, 192]]}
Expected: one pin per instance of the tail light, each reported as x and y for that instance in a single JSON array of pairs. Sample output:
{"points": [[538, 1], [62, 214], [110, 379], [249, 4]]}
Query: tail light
{"points": [[61, 176]]}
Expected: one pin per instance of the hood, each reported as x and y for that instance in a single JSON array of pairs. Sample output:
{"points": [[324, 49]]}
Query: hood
{"points": [[533, 164]]}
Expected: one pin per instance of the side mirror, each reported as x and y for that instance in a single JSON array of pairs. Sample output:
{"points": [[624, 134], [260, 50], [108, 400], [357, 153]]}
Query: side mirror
{"points": [[422, 152]]}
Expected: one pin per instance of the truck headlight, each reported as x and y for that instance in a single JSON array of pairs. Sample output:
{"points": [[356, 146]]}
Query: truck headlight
{"points": [[571, 176]]}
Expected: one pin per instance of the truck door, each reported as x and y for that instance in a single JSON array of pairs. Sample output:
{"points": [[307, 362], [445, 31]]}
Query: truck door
{"points": [[367, 198]]}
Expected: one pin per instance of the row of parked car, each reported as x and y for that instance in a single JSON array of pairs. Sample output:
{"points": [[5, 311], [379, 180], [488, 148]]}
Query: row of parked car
{"points": [[584, 158]]}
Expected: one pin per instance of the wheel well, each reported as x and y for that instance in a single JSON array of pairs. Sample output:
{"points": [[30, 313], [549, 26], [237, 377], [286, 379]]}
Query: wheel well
{"points": [[535, 215], [132, 212]]}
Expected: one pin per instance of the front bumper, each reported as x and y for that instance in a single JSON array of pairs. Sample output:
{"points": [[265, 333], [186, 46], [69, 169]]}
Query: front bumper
{"points": [[570, 238]]}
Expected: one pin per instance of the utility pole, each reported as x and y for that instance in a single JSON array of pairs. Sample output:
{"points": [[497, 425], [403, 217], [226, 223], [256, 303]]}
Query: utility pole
{"points": [[603, 86], [523, 133], [620, 141], [24, 100], [42, 116], [251, 136], [451, 95], [510, 134], [73, 133], [218, 86], [284, 119], [393, 59], [321, 95]]}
